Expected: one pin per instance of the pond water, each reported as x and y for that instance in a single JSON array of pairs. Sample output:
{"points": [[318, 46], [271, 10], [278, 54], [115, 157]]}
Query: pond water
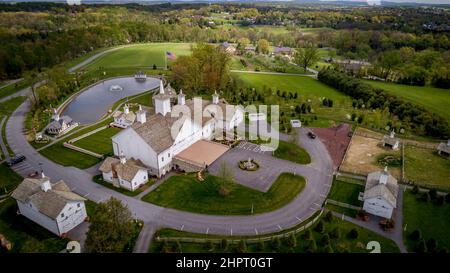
{"points": [[95, 101]]}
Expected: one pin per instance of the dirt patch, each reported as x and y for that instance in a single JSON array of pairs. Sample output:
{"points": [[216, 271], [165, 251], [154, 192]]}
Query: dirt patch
{"points": [[362, 156], [336, 140]]}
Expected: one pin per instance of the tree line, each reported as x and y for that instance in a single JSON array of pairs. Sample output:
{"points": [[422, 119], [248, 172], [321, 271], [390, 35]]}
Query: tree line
{"points": [[419, 119]]}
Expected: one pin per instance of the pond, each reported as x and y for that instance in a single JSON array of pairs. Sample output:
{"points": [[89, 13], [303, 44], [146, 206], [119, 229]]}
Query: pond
{"points": [[95, 101]]}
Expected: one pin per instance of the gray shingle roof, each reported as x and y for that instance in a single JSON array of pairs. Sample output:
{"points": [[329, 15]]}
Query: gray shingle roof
{"points": [[49, 203], [444, 147], [374, 188]]}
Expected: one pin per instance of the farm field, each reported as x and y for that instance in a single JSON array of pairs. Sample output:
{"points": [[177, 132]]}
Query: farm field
{"points": [[140, 55], [346, 192], [431, 219], [187, 193], [419, 162], [364, 154], [434, 99]]}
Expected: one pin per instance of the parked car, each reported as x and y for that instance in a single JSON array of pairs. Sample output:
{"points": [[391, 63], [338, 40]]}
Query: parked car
{"points": [[15, 160], [311, 135]]}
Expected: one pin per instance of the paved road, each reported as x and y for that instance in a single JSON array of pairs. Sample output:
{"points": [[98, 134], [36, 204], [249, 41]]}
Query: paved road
{"points": [[2, 145], [22, 93], [8, 83], [80, 182]]}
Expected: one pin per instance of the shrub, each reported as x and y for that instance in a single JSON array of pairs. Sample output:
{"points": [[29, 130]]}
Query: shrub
{"points": [[242, 246], [312, 247], [433, 194], [292, 240], [210, 246], [329, 216], [276, 243], [416, 235], [260, 246], [319, 227], [440, 200], [354, 234], [325, 240], [421, 247], [425, 197], [431, 245], [308, 235], [335, 233], [415, 189], [328, 249], [154, 67], [224, 243]]}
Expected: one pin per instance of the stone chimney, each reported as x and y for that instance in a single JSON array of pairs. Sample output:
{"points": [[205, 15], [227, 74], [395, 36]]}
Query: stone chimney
{"points": [[126, 109], [181, 98], [141, 115], [215, 98]]}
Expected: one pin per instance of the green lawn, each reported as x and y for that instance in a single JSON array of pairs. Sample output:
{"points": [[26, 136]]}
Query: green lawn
{"points": [[431, 219], [8, 179], [427, 168], [436, 100], [342, 244], [67, 157], [13, 88], [99, 180], [292, 152], [186, 193], [140, 55], [25, 235], [99, 142], [346, 192]]}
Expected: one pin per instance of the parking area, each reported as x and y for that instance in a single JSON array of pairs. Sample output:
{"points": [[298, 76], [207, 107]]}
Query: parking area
{"points": [[261, 179]]}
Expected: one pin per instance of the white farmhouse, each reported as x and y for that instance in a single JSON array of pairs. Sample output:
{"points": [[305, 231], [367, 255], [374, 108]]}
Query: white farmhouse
{"points": [[54, 207], [129, 174], [60, 125], [124, 119], [156, 139], [380, 194]]}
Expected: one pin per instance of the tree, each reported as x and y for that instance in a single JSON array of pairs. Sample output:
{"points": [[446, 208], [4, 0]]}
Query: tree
{"points": [[325, 240], [260, 246], [433, 194], [354, 234], [307, 56], [319, 227], [416, 235], [224, 244], [329, 216], [335, 233], [421, 247], [276, 243], [263, 46], [426, 197], [432, 245], [226, 174], [312, 247], [415, 189], [34, 79], [242, 246], [292, 240], [328, 249], [243, 42], [308, 235], [111, 228]]}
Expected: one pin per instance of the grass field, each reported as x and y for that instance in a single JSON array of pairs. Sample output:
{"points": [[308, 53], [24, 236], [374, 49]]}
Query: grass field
{"points": [[292, 152], [140, 55], [418, 165], [8, 179], [186, 193], [25, 235], [432, 220], [13, 88], [342, 244], [99, 142], [66, 157], [346, 192], [434, 99]]}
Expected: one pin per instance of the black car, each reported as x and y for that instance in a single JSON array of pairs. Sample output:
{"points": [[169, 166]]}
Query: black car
{"points": [[15, 160], [311, 135]]}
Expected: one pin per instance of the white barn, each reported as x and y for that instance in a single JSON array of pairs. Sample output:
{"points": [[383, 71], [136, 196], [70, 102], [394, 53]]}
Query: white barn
{"points": [[156, 139], [380, 194], [54, 207], [129, 174]]}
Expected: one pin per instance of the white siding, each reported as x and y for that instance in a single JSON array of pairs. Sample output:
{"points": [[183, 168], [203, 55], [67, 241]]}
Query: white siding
{"points": [[140, 178], [31, 212], [378, 206], [108, 177], [73, 214]]}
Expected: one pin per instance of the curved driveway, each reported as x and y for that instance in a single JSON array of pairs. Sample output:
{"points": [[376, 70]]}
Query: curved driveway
{"points": [[318, 174]]}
